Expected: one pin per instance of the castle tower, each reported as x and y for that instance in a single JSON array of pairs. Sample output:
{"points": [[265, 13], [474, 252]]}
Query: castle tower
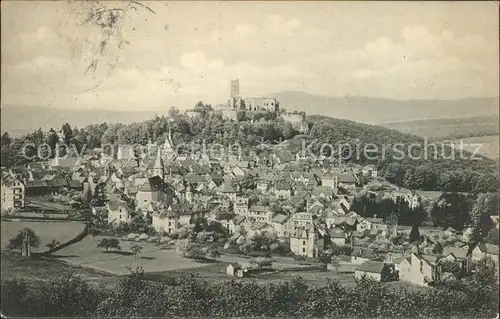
{"points": [[235, 94], [235, 89]]}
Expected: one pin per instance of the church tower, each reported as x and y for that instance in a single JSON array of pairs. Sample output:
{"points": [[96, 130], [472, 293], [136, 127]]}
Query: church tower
{"points": [[158, 168]]}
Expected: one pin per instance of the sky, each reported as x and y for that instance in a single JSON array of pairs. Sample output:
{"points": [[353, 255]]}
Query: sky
{"points": [[189, 51]]}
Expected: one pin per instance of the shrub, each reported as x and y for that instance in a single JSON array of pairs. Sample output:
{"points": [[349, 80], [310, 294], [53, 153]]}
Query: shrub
{"points": [[109, 243]]}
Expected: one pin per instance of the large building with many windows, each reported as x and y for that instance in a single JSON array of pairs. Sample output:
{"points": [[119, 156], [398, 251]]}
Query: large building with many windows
{"points": [[13, 193], [256, 104]]}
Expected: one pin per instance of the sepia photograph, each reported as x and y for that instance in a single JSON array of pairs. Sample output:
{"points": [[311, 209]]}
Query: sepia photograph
{"points": [[244, 159]]}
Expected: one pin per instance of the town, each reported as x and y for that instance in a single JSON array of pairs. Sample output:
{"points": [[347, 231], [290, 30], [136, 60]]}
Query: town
{"points": [[276, 203], [227, 159]]}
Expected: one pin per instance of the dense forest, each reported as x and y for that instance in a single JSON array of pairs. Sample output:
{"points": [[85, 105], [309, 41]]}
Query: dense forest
{"points": [[454, 128], [400, 158], [456, 210]]}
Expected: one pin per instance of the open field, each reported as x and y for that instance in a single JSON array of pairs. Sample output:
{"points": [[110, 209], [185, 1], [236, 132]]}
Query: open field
{"points": [[40, 203], [488, 145], [47, 231], [152, 259], [85, 259]]}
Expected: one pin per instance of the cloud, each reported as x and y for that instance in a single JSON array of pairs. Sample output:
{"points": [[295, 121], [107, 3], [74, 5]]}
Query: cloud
{"points": [[40, 35], [41, 63], [283, 26], [419, 57], [193, 60], [269, 50], [244, 30]]}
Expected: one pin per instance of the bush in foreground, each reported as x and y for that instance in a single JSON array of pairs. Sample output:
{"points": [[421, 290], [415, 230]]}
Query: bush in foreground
{"points": [[188, 296]]}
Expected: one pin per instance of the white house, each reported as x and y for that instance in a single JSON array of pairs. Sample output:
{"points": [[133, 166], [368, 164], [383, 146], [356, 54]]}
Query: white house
{"points": [[240, 206], [118, 212], [337, 236], [153, 190], [458, 255], [165, 221], [283, 225], [486, 250], [420, 269], [282, 190], [330, 179], [227, 190], [13, 193], [260, 213], [306, 243], [302, 219]]}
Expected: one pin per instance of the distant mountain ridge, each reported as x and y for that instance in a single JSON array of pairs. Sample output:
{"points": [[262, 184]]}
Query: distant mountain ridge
{"points": [[18, 120], [449, 128], [372, 110]]}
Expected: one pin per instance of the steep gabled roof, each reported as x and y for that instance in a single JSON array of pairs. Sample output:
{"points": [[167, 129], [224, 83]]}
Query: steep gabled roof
{"points": [[115, 205], [226, 188], [258, 225], [363, 252], [280, 218], [489, 249], [348, 178], [456, 251], [258, 208], [432, 260], [336, 233], [238, 219], [282, 186]]}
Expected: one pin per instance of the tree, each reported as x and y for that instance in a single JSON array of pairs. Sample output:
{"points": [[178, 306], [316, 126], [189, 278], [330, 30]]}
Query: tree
{"points": [[140, 225], [136, 249], [93, 232], [335, 263], [492, 237], [437, 249], [394, 173], [247, 247], [415, 235], [452, 210], [16, 242], [299, 258], [450, 267], [53, 244], [485, 206], [68, 133], [52, 139], [240, 116], [173, 112], [324, 260], [213, 252], [262, 262], [195, 253], [248, 182], [109, 243], [183, 246]]}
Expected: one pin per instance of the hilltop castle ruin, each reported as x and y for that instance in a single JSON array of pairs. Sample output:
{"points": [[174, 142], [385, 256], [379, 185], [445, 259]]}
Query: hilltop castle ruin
{"points": [[254, 107]]}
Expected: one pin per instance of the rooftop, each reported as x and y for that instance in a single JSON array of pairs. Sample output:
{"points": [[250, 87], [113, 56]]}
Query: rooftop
{"points": [[371, 266]]}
